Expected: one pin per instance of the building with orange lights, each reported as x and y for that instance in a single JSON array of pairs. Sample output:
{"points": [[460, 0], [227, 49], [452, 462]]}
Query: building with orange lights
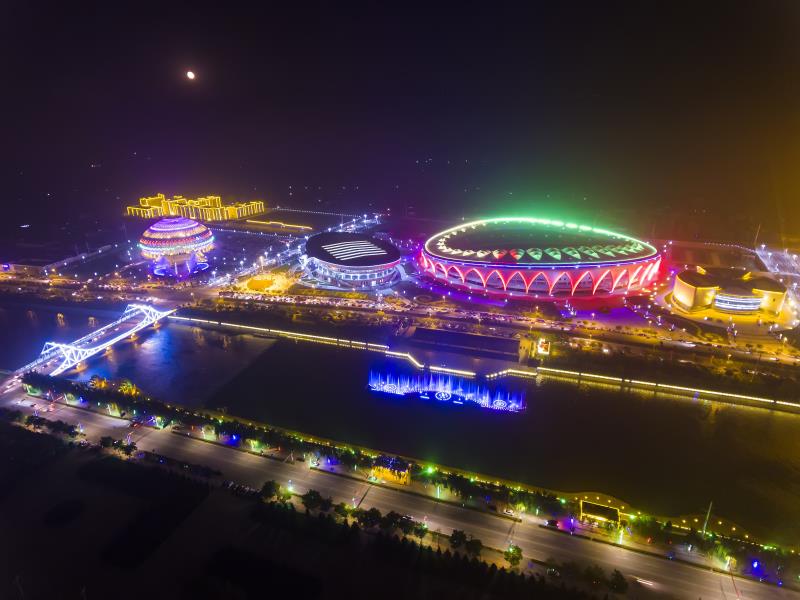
{"points": [[735, 291], [206, 208]]}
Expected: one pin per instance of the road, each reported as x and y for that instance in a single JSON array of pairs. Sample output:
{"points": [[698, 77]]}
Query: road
{"points": [[511, 324], [674, 578]]}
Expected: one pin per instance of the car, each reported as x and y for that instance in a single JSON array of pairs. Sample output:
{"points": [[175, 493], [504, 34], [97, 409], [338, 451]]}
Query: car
{"points": [[551, 572], [508, 511], [552, 523]]}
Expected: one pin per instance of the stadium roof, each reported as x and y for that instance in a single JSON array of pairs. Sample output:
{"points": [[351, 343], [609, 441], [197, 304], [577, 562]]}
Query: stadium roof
{"points": [[351, 249], [532, 241]]}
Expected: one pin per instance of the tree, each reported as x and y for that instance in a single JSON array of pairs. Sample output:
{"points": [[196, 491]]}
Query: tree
{"points": [[457, 539], [126, 449], [284, 495], [35, 421], [312, 499], [513, 555], [270, 489], [617, 582], [342, 510], [594, 574], [98, 383], [473, 546], [390, 520], [420, 529], [368, 518], [326, 504], [406, 525], [13, 416], [128, 388]]}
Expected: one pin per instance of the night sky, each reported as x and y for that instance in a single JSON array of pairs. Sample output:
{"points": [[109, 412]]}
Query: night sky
{"points": [[663, 118]]}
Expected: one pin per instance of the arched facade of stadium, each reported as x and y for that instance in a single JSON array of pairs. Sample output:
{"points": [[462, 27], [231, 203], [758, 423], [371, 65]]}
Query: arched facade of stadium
{"points": [[538, 258]]}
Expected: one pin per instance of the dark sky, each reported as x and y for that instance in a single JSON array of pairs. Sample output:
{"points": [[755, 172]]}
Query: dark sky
{"points": [[641, 113]]}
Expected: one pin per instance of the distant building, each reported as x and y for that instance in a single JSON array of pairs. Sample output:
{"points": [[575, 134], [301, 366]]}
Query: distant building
{"points": [[206, 208], [352, 260], [734, 291], [598, 512], [391, 469]]}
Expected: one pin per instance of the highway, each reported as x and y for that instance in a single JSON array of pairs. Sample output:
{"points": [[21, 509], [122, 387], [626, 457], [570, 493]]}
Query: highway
{"points": [[672, 578]]}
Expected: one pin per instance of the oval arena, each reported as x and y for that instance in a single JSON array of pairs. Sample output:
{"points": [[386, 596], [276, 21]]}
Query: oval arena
{"points": [[538, 258]]}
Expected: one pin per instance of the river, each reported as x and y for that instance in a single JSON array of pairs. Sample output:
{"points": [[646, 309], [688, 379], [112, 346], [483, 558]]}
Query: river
{"points": [[665, 455]]}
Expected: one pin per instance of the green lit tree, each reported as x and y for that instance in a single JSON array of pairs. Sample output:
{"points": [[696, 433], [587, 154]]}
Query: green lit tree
{"points": [[513, 555], [342, 510]]}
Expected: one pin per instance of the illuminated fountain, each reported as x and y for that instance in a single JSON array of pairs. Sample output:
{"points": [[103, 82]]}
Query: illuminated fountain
{"points": [[446, 389]]}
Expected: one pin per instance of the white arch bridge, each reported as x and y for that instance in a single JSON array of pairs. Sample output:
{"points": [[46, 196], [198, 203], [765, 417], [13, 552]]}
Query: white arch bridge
{"points": [[63, 357]]}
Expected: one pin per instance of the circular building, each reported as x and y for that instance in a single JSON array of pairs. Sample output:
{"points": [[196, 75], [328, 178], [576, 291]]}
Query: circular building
{"points": [[735, 291], [538, 258], [351, 260], [177, 246]]}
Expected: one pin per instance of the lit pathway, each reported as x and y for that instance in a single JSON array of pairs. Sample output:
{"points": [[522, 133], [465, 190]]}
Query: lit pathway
{"points": [[680, 580]]}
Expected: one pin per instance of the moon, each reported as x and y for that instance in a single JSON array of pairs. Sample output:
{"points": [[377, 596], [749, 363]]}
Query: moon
{"points": [[189, 74]]}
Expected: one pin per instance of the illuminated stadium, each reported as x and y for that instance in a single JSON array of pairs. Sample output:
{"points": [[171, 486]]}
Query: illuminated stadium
{"points": [[177, 246], [351, 260], [734, 291], [538, 258]]}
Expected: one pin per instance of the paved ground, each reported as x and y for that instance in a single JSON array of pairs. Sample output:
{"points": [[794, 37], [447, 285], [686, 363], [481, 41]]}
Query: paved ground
{"points": [[676, 579]]}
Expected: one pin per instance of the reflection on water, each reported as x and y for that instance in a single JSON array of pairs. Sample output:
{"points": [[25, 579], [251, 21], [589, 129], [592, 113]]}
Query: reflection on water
{"points": [[668, 455], [26, 329], [445, 388], [178, 363]]}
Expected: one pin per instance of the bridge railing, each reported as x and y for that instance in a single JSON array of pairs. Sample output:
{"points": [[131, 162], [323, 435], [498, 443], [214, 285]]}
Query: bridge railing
{"points": [[79, 349]]}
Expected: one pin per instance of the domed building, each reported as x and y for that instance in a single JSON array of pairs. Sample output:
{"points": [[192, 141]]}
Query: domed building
{"points": [[352, 260], [177, 246]]}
